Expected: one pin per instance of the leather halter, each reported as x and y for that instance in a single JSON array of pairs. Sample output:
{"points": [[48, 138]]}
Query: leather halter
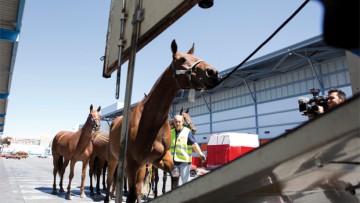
{"points": [[187, 71], [93, 122]]}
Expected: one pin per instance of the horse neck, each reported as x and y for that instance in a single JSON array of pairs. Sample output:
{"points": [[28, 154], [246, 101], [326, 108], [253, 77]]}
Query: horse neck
{"points": [[160, 99], [85, 137]]}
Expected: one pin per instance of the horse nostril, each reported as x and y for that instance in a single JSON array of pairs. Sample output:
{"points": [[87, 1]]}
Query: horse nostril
{"points": [[210, 72]]}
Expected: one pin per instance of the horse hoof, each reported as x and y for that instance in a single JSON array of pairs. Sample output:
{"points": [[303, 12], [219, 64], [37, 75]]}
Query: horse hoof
{"points": [[83, 196], [54, 192], [106, 199], [62, 190], [92, 194], [98, 193], [68, 196]]}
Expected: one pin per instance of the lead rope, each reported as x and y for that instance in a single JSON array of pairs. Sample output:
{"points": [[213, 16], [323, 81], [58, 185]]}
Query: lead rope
{"points": [[266, 41]]}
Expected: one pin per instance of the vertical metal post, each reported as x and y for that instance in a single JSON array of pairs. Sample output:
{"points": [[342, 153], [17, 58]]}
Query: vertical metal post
{"points": [[122, 42], [137, 18], [256, 110], [313, 70], [253, 95]]}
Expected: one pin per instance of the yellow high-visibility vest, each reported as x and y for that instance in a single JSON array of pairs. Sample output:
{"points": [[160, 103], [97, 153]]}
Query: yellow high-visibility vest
{"points": [[179, 148]]}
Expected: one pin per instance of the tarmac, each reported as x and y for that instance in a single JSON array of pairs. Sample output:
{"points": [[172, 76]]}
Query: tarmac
{"points": [[30, 180]]}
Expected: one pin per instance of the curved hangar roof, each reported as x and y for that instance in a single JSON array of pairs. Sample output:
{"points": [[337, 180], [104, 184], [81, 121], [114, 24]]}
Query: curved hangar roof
{"points": [[11, 14]]}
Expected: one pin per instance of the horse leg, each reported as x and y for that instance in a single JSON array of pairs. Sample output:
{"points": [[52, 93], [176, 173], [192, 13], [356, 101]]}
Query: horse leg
{"points": [[109, 181], [113, 187], [140, 176], [170, 167], [104, 175], [65, 164], [98, 175], [155, 179], [125, 183], [91, 173], [164, 181], [136, 176], [56, 165], [83, 176], [71, 176], [162, 166]]}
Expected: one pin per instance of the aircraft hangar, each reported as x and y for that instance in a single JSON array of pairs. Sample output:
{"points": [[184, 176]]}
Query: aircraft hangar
{"points": [[11, 14]]}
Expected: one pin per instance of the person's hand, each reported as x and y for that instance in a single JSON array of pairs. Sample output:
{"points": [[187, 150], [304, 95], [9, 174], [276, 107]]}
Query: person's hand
{"points": [[202, 157], [320, 110]]}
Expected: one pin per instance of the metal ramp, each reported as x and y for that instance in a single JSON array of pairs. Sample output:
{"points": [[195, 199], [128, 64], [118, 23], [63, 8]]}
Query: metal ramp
{"points": [[317, 162]]}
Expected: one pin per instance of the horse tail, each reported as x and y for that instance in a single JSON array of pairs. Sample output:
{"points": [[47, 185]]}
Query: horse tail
{"points": [[95, 167], [60, 164]]}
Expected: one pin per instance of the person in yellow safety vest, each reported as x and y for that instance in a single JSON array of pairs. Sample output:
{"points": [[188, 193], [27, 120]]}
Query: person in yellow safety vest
{"points": [[182, 143]]}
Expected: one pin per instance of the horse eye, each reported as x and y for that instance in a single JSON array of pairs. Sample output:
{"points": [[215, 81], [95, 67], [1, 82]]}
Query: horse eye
{"points": [[182, 60]]}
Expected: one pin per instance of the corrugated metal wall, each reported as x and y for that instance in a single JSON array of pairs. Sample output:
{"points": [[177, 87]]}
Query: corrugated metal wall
{"points": [[276, 107]]}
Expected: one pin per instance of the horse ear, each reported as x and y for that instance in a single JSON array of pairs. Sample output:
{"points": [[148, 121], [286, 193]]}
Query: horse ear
{"points": [[99, 109], [174, 47], [192, 49], [187, 110], [91, 107], [182, 108]]}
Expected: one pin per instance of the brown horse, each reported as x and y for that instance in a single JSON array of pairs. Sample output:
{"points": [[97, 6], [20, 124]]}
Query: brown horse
{"points": [[149, 130], [98, 164], [74, 146]]}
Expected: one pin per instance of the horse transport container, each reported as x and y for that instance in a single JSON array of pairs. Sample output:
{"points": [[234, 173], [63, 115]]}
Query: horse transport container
{"points": [[227, 146]]}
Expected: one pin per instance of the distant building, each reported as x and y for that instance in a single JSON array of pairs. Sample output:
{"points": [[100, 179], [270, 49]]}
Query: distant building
{"points": [[25, 141], [106, 111]]}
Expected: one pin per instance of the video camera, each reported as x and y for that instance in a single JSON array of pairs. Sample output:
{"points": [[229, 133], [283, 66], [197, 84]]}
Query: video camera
{"points": [[310, 106]]}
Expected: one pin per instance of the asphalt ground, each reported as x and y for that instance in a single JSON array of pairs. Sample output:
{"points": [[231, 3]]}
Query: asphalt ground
{"points": [[30, 180]]}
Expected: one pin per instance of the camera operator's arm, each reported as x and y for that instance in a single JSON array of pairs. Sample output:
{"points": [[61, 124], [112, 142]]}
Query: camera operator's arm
{"points": [[320, 110], [310, 116]]}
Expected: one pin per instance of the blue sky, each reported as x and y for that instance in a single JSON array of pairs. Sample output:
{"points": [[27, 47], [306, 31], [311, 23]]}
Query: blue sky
{"points": [[58, 72]]}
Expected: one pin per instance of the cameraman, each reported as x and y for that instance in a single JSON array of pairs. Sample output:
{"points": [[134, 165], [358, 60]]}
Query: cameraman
{"points": [[335, 97]]}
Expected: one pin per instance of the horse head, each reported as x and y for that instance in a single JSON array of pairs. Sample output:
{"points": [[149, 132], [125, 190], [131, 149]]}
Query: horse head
{"points": [[190, 72], [187, 120], [94, 118]]}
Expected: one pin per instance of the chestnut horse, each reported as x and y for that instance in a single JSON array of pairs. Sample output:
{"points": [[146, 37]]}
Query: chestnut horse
{"points": [[149, 130], [74, 146], [98, 164]]}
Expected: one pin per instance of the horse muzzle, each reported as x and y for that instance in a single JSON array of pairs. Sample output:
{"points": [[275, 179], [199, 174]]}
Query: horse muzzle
{"points": [[212, 78], [96, 127]]}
